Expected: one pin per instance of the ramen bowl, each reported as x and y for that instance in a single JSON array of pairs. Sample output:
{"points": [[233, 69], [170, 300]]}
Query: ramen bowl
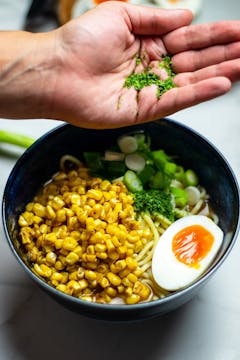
{"points": [[39, 162]]}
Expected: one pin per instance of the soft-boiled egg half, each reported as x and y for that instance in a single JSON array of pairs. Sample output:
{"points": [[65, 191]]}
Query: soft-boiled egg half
{"points": [[193, 5], [184, 251]]}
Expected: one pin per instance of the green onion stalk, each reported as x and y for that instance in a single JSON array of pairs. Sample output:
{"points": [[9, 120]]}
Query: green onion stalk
{"points": [[15, 139]]}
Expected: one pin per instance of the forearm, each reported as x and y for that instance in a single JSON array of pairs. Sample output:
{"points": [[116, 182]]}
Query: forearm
{"points": [[27, 74]]}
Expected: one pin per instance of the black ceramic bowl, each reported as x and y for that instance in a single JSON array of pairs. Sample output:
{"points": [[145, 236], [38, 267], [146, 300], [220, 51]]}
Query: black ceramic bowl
{"points": [[41, 161]]}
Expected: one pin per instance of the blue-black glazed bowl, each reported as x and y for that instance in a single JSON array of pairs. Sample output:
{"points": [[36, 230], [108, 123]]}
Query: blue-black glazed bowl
{"points": [[41, 161]]}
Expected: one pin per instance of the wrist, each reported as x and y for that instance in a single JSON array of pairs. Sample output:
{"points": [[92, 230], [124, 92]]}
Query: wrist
{"points": [[27, 74]]}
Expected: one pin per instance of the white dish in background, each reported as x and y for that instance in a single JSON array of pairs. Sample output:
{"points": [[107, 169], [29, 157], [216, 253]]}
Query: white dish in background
{"points": [[82, 6], [193, 5]]}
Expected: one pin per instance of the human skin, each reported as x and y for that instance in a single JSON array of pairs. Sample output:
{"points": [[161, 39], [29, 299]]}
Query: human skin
{"points": [[76, 73]]}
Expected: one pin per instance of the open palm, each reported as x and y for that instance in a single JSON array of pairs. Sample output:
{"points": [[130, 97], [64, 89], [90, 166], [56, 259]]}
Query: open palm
{"points": [[98, 51]]}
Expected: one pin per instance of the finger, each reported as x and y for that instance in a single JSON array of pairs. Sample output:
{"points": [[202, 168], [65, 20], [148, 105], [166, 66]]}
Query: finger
{"points": [[198, 59], [179, 98], [151, 21], [202, 35], [229, 69]]}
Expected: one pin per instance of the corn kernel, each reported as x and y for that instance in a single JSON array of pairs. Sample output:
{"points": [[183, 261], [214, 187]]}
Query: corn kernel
{"points": [[72, 222], [128, 291], [73, 275], [56, 276], [51, 258], [86, 298], [90, 250], [43, 229], [122, 250], [78, 250], [126, 282], [102, 255], [104, 282], [59, 265], [62, 287], [115, 241], [22, 221], [95, 194], [103, 268], [100, 248], [46, 271], [74, 285], [110, 245], [120, 289], [61, 215], [76, 235], [69, 243], [65, 277], [50, 239], [39, 210], [29, 206], [90, 275], [131, 277], [72, 258], [131, 263], [110, 291], [113, 255], [132, 299], [142, 290], [114, 279], [83, 284], [50, 213]]}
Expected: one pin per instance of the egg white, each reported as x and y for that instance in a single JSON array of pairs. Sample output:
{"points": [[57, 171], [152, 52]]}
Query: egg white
{"points": [[171, 274], [193, 5]]}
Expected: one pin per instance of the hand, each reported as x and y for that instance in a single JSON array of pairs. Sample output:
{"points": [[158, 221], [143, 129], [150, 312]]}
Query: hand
{"points": [[98, 51]]}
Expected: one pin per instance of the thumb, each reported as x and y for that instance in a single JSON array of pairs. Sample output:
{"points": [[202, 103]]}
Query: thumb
{"points": [[145, 20]]}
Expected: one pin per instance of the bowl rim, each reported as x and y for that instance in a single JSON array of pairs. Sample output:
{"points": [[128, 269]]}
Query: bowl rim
{"points": [[119, 307]]}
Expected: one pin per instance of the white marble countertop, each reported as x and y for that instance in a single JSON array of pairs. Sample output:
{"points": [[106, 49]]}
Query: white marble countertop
{"points": [[32, 326]]}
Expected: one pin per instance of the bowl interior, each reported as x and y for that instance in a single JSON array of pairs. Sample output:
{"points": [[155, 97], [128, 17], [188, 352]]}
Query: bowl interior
{"points": [[41, 161]]}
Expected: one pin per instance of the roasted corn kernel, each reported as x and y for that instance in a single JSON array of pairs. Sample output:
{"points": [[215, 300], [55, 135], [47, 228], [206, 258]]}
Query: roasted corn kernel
{"points": [[81, 235]]}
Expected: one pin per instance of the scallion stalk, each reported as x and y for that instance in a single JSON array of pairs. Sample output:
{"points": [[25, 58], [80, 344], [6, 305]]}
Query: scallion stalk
{"points": [[15, 139]]}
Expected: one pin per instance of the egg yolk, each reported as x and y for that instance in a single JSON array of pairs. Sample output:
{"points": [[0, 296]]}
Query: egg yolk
{"points": [[192, 244]]}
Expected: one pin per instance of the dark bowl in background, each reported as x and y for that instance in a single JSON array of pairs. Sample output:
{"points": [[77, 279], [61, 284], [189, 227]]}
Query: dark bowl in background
{"points": [[41, 161]]}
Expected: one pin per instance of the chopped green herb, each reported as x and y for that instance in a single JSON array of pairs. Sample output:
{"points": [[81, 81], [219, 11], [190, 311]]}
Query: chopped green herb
{"points": [[155, 202], [166, 64], [138, 60], [147, 78]]}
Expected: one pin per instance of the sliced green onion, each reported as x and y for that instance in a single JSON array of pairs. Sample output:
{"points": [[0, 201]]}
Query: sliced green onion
{"points": [[170, 167], [132, 181], [135, 162], [191, 178], [193, 195], [160, 158], [176, 183], [179, 173], [113, 156], [180, 196], [157, 181], [127, 144], [146, 174]]}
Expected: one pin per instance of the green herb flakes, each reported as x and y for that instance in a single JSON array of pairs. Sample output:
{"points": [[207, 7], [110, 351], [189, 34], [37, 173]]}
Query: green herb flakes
{"points": [[147, 78]]}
